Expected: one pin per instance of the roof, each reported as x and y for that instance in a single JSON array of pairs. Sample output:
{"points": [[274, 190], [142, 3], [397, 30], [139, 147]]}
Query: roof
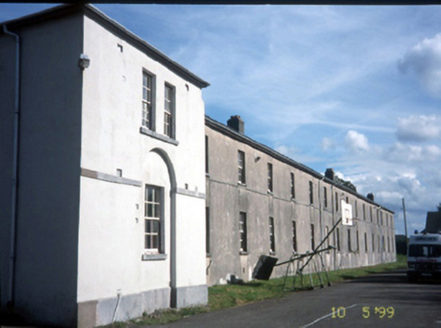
{"points": [[222, 128], [97, 15], [433, 222]]}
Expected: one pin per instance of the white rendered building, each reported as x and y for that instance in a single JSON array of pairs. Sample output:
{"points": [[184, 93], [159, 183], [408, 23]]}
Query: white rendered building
{"points": [[102, 179]]}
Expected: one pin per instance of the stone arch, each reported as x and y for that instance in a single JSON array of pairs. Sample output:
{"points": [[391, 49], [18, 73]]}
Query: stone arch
{"points": [[173, 187]]}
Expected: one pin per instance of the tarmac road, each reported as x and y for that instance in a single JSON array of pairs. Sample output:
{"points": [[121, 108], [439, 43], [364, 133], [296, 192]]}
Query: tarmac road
{"points": [[379, 300]]}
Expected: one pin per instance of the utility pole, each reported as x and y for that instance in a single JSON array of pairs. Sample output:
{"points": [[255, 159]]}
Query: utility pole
{"points": [[405, 221]]}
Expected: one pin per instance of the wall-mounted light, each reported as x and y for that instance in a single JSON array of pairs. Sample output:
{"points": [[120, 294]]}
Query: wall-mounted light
{"points": [[256, 158], [83, 62]]}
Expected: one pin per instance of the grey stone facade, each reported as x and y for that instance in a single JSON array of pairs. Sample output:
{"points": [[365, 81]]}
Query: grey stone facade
{"points": [[250, 214]]}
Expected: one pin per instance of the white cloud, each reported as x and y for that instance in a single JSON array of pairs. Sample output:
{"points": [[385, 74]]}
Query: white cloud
{"points": [[327, 144], [418, 128], [424, 60], [356, 141], [405, 154]]}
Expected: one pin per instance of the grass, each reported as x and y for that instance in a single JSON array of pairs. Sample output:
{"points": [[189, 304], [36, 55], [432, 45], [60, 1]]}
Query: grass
{"points": [[226, 296]]}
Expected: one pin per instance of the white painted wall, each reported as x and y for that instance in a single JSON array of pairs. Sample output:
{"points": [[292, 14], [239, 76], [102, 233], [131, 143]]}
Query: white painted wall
{"points": [[111, 233]]}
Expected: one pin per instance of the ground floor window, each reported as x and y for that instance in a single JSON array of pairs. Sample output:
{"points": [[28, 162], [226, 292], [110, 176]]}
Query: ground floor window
{"points": [[207, 230], [153, 219], [294, 236], [243, 231], [272, 236], [338, 239]]}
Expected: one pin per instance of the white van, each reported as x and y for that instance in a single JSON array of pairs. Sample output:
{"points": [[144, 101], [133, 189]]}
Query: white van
{"points": [[424, 256]]}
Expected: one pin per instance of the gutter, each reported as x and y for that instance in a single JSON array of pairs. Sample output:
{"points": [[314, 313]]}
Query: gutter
{"points": [[10, 301]]}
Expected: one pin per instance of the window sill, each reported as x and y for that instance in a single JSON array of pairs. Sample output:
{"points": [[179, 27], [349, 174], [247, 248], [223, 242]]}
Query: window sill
{"points": [[269, 192], [154, 257], [158, 136], [241, 184], [243, 253], [271, 253]]}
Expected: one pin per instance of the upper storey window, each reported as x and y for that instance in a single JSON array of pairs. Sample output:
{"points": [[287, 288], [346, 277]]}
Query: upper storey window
{"points": [[241, 166], [169, 108], [293, 186], [270, 177], [147, 100]]}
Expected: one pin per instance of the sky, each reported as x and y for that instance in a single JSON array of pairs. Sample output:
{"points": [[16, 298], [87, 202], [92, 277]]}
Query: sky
{"points": [[353, 88]]}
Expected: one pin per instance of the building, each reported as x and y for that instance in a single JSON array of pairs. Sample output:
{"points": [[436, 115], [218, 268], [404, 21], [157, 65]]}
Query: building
{"points": [[102, 218], [260, 202]]}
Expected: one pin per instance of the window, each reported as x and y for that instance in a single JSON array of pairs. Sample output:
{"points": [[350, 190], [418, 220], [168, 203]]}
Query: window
{"points": [[270, 177], [373, 243], [311, 193], [347, 200], [364, 212], [294, 236], [336, 201], [356, 209], [147, 100], [388, 244], [358, 242], [325, 196], [312, 237], [370, 213], [243, 231], [153, 219], [207, 164], [338, 239], [169, 108], [207, 230], [327, 235], [293, 186], [271, 235], [381, 218], [365, 242], [241, 166], [349, 240]]}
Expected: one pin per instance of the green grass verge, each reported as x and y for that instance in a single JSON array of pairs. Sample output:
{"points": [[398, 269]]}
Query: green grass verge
{"points": [[226, 296]]}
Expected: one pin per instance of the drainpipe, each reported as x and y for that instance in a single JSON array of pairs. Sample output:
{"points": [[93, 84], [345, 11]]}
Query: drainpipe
{"points": [[334, 209], [320, 207], [14, 167]]}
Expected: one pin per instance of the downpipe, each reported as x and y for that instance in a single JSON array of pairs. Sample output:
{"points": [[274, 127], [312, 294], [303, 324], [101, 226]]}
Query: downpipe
{"points": [[12, 256]]}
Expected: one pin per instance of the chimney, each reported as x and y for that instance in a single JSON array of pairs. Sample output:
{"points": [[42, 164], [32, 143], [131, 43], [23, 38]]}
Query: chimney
{"points": [[330, 174], [370, 196], [236, 123]]}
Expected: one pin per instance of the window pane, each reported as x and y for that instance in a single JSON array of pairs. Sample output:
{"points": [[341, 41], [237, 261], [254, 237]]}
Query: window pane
{"points": [[155, 226], [155, 241], [150, 210]]}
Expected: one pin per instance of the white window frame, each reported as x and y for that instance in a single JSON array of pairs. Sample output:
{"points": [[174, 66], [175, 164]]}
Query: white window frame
{"points": [[241, 179], [272, 236], [270, 177], [243, 232], [153, 212], [169, 111], [293, 186], [148, 102], [294, 236]]}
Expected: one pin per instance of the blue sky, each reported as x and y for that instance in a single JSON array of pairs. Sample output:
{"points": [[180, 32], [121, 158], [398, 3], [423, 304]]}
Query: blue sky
{"points": [[355, 88]]}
